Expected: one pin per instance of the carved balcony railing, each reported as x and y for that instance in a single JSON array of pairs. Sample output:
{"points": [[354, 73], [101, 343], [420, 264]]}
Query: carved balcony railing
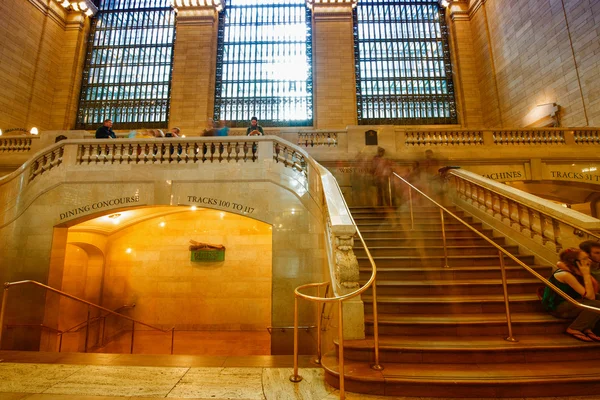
{"points": [[15, 145], [318, 139], [400, 143], [543, 222], [444, 138], [523, 137], [586, 136]]}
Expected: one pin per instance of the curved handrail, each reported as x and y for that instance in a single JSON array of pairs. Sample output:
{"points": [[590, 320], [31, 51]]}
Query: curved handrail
{"points": [[8, 285], [503, 251], [590, 233], [339, 299]]}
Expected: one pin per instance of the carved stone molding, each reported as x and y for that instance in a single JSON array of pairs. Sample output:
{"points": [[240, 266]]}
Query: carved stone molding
{"points": [[332, 11], [196, 16], [346, 264]]}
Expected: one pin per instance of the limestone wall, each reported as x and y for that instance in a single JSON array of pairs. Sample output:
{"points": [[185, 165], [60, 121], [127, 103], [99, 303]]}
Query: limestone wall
{"points": [[535, 52]]}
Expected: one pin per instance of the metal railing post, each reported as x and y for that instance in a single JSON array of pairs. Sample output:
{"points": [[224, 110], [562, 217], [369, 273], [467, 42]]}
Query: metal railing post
{"points": [[87, 330], [172, 339], [444, 239], [377, 366], [410, 203], [341, 349], [295, 377], [319, 315], [3, 311], [510, 337], [132, 336], [390, 190]]}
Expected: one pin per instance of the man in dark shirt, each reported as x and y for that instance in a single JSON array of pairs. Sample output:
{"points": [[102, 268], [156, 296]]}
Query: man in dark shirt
{"points": [[254, 128], [105, 131]]}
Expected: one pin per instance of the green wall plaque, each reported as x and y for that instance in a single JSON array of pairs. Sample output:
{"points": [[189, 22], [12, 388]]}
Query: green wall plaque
{"points": [[207, 255]]}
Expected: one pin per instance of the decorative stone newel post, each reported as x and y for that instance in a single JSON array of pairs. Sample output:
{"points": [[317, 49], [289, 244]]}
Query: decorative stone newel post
{"points": [[346, 264]]}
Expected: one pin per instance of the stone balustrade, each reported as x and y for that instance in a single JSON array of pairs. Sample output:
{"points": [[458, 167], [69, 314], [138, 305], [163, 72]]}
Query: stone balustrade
{"points": [[540, 225], [239, 158]]}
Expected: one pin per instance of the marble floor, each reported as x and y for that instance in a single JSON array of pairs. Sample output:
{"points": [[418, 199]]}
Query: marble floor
{"points": [[65, 376]]}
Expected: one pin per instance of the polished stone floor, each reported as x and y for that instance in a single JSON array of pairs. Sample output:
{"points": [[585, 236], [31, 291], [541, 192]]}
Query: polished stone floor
{"points": [[65, 376]]}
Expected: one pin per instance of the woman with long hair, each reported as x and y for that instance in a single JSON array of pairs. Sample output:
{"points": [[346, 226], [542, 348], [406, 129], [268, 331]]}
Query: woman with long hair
{"points": [[573, 277]]}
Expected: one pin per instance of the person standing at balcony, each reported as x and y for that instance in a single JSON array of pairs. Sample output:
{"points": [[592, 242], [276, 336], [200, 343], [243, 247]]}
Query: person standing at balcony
{"points": [[254, 128], [576, 281], [175, 132], [105, 131]]}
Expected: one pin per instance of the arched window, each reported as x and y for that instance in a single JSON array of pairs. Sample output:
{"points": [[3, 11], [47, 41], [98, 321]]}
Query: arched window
{"points": [[264, 59], [128, 65], [403, 70]]}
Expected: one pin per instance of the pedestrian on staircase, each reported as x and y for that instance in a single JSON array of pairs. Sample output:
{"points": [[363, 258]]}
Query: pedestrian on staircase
{"points": [[576, 281]]}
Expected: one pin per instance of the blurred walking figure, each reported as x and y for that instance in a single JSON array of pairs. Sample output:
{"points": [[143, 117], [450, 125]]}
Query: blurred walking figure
{"points": [[382, 170]]}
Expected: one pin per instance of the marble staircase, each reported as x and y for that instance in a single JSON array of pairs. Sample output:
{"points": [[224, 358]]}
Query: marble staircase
{"points": [[443, 329]]}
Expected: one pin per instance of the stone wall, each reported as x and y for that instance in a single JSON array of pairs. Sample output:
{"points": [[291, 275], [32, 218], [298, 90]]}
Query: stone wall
{"points": [[536, 52]]}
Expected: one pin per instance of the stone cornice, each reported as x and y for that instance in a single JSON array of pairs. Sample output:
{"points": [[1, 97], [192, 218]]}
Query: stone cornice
{"points": [[196, 15], [458, 10], [59, 14], [75, 22], [332, 12], [180, 5], [475, 5]]}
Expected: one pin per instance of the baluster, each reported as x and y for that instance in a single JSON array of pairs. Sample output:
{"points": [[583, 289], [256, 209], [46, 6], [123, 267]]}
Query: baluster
{"points": [[514, 215], [536, 227], [557, 236], [547, 229], [468, 188], [505, 210], [213, 152], [475, 196], [229, 150], [496, 206], [489, 204], [524, 219]]}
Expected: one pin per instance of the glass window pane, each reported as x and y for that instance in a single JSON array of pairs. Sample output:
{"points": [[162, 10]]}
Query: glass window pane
{"points": [[264, 63], [127, 75], [403, 69]]}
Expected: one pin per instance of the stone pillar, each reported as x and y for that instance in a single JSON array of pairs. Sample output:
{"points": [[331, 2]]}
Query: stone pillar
{"points": [[68, 86], [194, 65], [334, 75], [464, 64]]}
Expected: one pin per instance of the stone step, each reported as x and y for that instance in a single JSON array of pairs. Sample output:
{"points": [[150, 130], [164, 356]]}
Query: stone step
{"points": [[489, 324], [472, 380], [471, 349], [448, 304], [397, 233], [369, 210], [455, 287], [407, 251], [439, 261], [404, 218], [429, 242], [418, 225], [441, 273]]}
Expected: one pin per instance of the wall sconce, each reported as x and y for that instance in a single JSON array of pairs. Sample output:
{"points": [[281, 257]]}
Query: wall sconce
{"points": [[0, 132], [34, 131], [542, 116], [444, 3]]}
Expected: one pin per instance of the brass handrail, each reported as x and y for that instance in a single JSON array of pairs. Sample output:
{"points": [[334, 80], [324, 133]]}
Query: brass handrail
{"points": [[597, 236], [8, 285], [501, 253], [339, 299]]}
